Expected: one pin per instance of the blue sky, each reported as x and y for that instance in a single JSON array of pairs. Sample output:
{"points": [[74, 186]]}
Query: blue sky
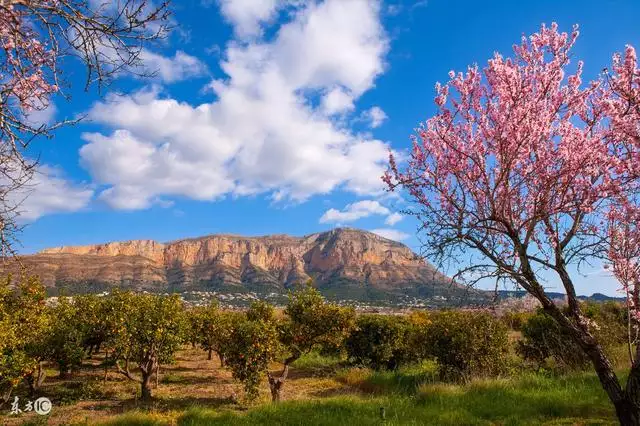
{"points": [[276, 116]]}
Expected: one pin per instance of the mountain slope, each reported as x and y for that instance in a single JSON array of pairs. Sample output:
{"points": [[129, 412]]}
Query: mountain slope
{"points": [[342, 262]]}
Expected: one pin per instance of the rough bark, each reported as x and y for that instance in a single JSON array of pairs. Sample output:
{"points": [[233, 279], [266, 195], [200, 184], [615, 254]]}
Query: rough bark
{"points": [[145, 387], [276, 383]]}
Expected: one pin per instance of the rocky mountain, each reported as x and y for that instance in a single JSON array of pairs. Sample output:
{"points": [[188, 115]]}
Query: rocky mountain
{"points": [[344, 263]]}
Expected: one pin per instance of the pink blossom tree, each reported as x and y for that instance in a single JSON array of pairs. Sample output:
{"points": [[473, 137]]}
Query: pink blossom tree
{"points": [[526, 170], [38, 41]]}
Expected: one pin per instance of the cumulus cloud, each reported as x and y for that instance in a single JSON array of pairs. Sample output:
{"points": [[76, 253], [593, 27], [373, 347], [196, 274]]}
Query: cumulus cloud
{"points": [[393, 218], [375, 116], [48, 192], [181, 67], [247, 16], [263, 133], [355, 211], [391, 234], [337, 101]]}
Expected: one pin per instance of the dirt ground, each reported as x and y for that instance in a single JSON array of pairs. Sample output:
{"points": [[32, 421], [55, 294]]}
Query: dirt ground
{"points": [[191, 381]]}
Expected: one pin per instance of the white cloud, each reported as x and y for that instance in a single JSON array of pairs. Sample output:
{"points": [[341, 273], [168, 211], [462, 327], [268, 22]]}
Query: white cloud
{"points": [[355, 211], [337, 101], [247, 16], [391, 234], [48, 192], [376, 116], [263, 132], [43, 116], [181, 67], [393, 218]]}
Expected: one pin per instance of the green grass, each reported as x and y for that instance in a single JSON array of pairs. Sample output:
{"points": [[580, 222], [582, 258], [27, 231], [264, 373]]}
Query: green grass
{"points": [[314, 360], [137, 419], [412, 398]]}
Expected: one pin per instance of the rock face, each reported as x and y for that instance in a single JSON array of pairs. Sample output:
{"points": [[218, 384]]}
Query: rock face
{"points": [[342, 262]]}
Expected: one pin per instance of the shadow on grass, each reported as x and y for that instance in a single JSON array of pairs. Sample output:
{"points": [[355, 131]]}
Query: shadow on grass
{"points": [[176, 404]]}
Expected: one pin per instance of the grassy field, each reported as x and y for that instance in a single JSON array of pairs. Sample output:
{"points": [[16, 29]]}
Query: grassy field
{"points": [[321, 391]]}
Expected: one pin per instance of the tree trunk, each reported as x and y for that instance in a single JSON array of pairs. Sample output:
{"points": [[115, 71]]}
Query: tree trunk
{"points": [[145, 386], [626, 401], [275, 385], [210, 355], [628, 414], [65, 371], [106, 365], [157, 376], [223, 362]]}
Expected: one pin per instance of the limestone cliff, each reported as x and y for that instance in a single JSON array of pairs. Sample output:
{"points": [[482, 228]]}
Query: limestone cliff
{"points": [[339, 260]]}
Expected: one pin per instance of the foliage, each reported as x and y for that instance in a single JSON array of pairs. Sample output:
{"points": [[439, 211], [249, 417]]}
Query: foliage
{"points": [[514, 320], [543, 340], [380, 341], [213, 327], [468, 344], [149, 335], [64, 342], [253, 344], [95, 319], [261, 311], [312, 322], [24, 326]]}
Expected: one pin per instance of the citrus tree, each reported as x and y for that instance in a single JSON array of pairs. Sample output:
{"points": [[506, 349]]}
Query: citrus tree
{"points": [[24, 326], [214, 329], [253, 344], [148, 332], [310, 323], [64, 341]]}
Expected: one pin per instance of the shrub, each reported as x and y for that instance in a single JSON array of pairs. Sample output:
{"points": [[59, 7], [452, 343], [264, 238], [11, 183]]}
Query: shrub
{"points": [[543, 340], [381, 342], [546, 345], [514, 320], [467, 344]]}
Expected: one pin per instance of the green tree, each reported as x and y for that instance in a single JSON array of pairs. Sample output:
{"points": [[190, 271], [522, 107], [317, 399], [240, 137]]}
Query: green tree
{"points": [[64, 342], [467, 344], [24, 325], [215, 327], [379, 341], [310, 323], [252, 345], [149, 335]]}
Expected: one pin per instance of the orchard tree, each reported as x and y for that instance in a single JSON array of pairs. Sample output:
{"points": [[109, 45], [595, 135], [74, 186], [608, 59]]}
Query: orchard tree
{"points": [[253, 344], [214, 329], [39, 40], [527, 171], [93, 318], [311, 322], [24, 326], [64, 341], [149, 335]]}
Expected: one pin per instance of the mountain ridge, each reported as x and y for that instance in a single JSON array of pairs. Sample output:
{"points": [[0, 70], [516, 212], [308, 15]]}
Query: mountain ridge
{"points": [[341, 262]]}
